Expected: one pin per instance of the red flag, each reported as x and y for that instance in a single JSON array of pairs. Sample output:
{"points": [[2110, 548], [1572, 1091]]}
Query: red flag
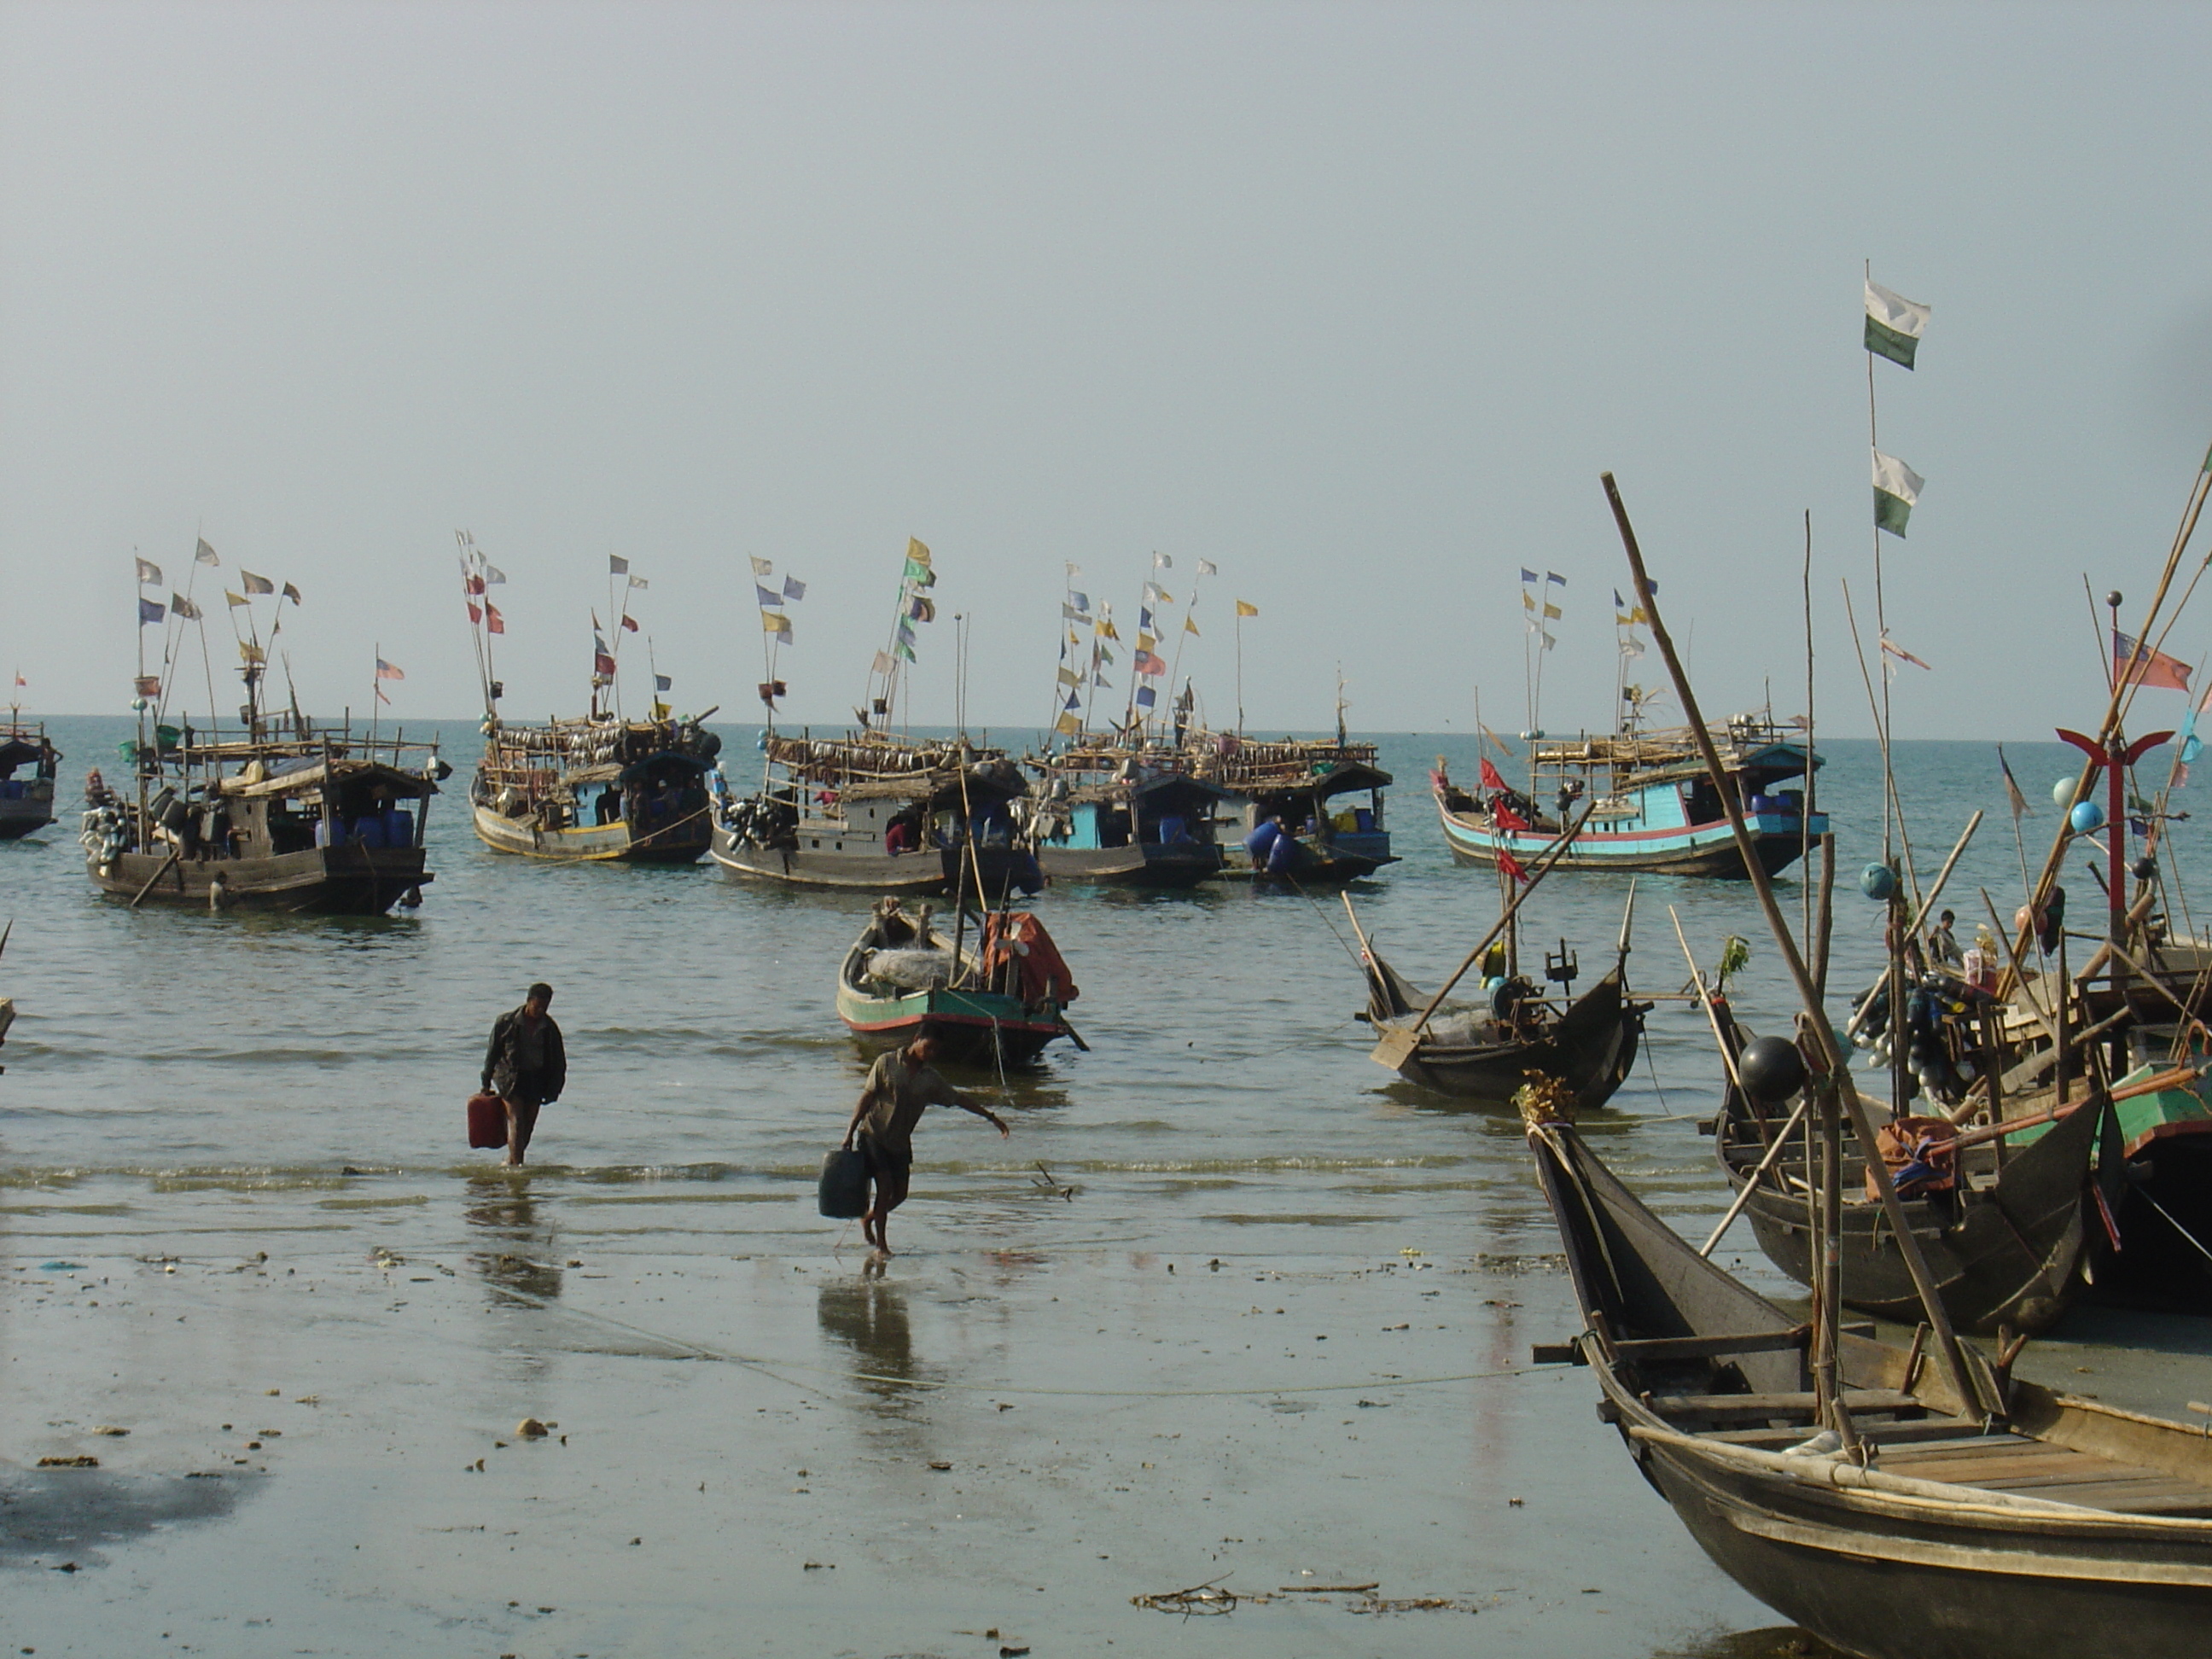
{"points": [[493, 622], [1505, 818], [1490, 778], [603, 664], [1511, 866], [629, 622], [476, 585], [2153, 668], [475, 615]]}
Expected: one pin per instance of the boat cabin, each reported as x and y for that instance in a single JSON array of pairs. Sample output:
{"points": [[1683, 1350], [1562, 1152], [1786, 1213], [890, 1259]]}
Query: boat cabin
{"points": [[293, 804], [1165, 808]]}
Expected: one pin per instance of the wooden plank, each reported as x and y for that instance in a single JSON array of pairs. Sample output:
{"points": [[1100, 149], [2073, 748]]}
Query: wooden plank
{"points": [[1713, 1348], [1721, 1406]]}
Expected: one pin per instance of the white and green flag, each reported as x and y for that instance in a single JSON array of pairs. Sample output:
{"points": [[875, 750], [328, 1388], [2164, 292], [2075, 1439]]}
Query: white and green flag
{"points": [[1896, 490], [1894, 324]]}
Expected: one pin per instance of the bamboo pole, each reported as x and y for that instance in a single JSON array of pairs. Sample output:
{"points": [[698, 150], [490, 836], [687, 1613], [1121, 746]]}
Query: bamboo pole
{"points": [[1837, 1082]]}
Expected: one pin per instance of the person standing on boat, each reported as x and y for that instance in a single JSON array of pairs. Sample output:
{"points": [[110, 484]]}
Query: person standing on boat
{"points": [[901, 1086], [525, 1066]]}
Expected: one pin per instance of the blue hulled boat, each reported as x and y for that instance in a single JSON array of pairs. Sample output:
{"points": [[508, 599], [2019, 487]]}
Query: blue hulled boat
{"points": [[1654, 809]]}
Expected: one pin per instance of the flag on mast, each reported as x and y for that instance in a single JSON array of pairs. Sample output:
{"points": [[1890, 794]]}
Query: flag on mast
{"points": [[618, 565], [2014, 799], [2153, 668], [205, 555], [149, 573], [1897, 490], [1894, 324], [1244, 610], [254, 584], [150, 611]]}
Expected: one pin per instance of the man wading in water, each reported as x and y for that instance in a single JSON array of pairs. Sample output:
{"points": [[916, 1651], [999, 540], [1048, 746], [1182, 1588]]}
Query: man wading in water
{"points": [[525, 1066], [900, 1084]]}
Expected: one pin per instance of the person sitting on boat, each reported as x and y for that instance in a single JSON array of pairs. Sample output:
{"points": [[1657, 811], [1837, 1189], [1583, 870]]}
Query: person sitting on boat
{"points": [[1943, 944], [527, 1065], [901, 1086], [610, 810], [899, 835]]}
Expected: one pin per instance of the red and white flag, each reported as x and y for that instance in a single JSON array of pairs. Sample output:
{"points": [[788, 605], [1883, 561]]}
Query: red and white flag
{"points": [[493, 622], [2153, 668]]}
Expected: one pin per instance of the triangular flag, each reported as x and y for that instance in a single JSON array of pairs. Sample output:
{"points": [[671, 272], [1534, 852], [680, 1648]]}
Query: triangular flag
{"points": [[385, 671], [494, 574], [183, 608], [493, 622], [1244, 610], [1208, 567], [205, 554], [236, 598], [254, 584], [291, 593], [1162, 562], [1190, 626]]}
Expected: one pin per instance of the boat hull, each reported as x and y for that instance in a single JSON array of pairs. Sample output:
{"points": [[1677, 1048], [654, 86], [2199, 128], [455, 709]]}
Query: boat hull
{"points": [[25, 814], [1148, 864], [335, 881], [1859, 1573], [1698, 849], [975, 1028], [1591, 1049], [865, 869], [1352, 856], [601, 843]]}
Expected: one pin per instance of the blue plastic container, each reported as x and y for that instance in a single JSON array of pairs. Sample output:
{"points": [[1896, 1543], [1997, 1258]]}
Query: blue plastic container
{"points": [[398, 828]]}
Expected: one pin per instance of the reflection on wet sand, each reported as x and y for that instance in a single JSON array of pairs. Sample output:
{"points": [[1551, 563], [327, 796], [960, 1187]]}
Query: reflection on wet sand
{"points": [[523, 1258], [869, 1316], [73, 1512]]}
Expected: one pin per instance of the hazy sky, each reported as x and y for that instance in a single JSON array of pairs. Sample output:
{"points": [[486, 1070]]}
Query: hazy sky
{"points": [[1355, 301]]}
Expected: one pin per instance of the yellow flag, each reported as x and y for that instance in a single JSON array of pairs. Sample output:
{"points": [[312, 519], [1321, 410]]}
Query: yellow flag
{"points": [[1145, 641], [251, 654], [1244, 610], [236, 598], [776, 623], [1552, 613], [916, 551], [1105, 630], [1527, 602], [1068, 725], [1190, 626]]}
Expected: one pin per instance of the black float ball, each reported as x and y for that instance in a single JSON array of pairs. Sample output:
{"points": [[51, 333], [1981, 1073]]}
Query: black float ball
{"points": [[2144, 868], [1771, 1069]]}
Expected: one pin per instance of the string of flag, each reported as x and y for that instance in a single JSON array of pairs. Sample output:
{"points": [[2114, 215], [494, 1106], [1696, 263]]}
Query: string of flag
{"points": [[1894, 325]]}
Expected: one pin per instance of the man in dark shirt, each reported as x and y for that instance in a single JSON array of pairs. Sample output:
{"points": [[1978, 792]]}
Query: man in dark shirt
{"points": [[525, 1066], [901, 1086]]}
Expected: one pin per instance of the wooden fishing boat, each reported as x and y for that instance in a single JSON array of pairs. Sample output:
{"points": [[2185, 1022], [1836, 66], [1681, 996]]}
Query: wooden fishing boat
{"points": [[27, 798], [1652, 806], [867, 812], [286, 817], [2021, 1236], [2162, 1211], [1124, 817], [2021, 1523], [596, 790], [1300, 782], [993, 996], [1487, 1051]]}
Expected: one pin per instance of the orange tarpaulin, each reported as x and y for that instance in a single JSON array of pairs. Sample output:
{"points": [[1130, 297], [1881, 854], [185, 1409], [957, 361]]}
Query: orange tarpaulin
{"points": [[1042, 971]]}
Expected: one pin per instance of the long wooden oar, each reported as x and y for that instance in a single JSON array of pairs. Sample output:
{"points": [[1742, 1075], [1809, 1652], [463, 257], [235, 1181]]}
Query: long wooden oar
{"points": [[1398, 1044]]}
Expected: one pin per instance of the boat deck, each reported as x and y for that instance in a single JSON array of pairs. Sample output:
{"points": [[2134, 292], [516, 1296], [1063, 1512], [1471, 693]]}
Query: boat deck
{"points": [[2059, 1474], [1951, 1450]]}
